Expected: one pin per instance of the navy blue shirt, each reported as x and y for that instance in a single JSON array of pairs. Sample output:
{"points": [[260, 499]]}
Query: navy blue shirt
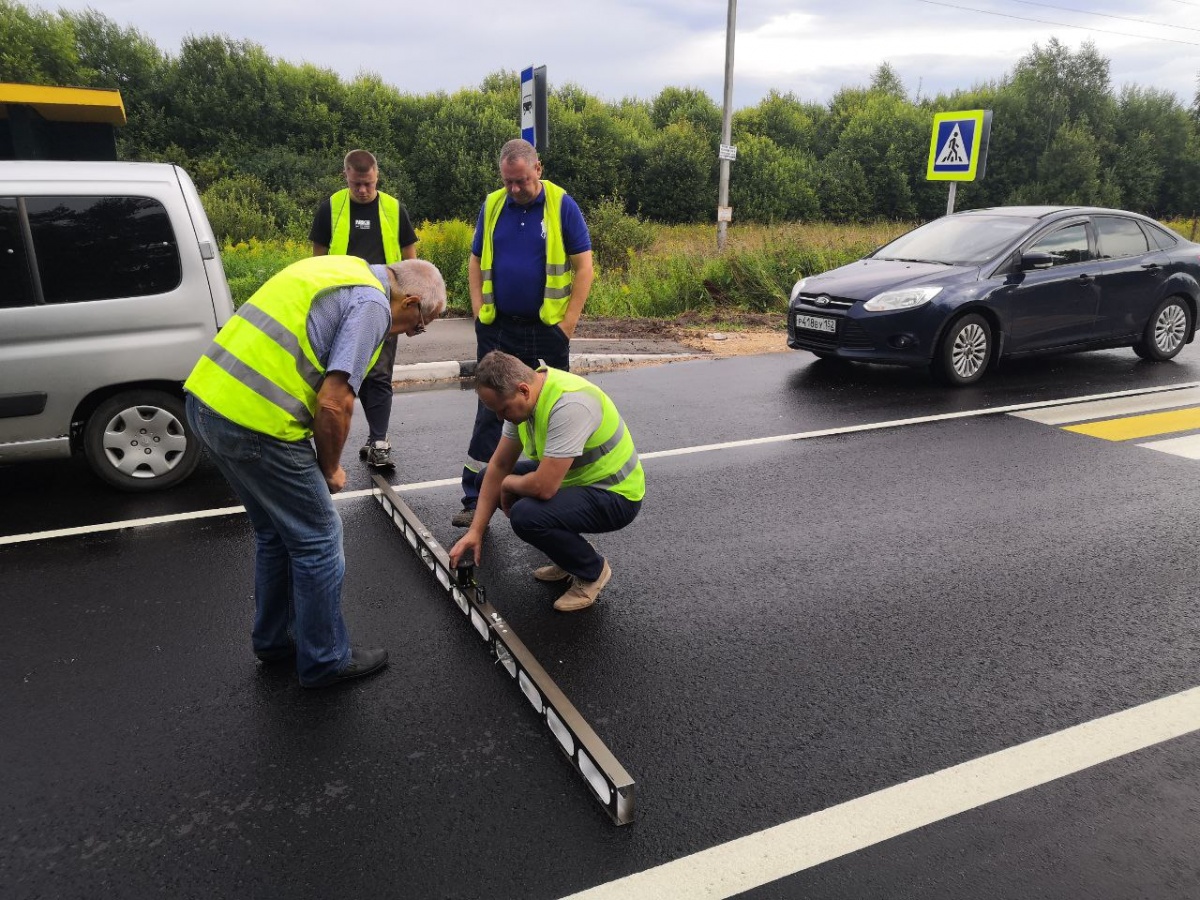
{"points": [[519, 251]]}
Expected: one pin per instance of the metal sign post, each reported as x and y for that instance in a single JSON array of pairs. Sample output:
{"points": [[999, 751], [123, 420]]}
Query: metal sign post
{"points": [[604, 775]]}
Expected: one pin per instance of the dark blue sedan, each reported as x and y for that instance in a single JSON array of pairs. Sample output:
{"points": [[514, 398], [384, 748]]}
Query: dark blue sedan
{"points": [[966, 290]]}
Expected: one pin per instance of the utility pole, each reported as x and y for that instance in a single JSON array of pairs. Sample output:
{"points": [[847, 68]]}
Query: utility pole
{"points": [[723, 210]]}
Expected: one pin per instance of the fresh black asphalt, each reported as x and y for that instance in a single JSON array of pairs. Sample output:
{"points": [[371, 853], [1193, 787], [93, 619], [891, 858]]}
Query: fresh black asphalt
{"points": [[789, 626]]}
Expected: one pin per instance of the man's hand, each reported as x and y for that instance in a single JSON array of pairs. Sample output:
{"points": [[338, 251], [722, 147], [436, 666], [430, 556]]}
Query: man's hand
{"points": [[507, 499], [468, 543], [336, 481]]}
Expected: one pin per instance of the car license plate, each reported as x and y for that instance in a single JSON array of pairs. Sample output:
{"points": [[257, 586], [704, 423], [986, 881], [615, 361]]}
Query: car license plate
{"points": [[816, 323]]}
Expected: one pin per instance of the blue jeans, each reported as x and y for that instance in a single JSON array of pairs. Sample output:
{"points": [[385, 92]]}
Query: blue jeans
{"points": [[529, 341], [299, 564], [554, 526]]}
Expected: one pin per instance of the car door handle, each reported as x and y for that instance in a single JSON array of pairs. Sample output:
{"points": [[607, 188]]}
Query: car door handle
{"points": [[1084, 278], [1150, 265]]}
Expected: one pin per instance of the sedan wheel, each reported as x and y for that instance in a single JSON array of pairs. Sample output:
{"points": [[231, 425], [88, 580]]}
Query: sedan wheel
{"points": [[138, 441], [965, 351], [1166, 332]]}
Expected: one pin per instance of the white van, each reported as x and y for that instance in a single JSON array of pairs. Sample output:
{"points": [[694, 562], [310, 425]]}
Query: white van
{"points": [[111, 287]]}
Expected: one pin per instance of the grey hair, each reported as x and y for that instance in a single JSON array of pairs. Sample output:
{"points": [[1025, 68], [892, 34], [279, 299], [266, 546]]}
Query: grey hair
{"points": [[519, 150], [360, 161], [421, 278], [502, 372]]}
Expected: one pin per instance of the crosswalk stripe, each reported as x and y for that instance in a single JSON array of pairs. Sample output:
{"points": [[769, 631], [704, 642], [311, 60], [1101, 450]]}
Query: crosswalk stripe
{"points": [[1141, 426], [1104, 409], [1187, 447]]}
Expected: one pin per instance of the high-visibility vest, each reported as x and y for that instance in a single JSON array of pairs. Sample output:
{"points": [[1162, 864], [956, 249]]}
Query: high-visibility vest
{"points": [[261, 370], [389, 224], [609, 459], [557, 293]]}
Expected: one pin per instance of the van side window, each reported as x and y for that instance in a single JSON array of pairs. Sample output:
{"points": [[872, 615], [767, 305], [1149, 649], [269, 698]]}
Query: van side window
{"points": [[15, 287], [96, 248]]}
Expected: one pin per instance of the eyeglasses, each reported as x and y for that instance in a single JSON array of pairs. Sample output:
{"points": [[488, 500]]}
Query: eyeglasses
{"points": [[420, 329]]}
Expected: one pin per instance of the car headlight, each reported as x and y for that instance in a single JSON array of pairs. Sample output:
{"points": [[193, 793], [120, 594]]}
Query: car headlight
{"points": [[904, 298], [796, 290]]}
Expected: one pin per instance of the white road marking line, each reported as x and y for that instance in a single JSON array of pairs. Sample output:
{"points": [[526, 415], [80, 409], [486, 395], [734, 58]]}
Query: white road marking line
{"points": [[657, 454], [199, 514], [1103, 409], [1187, 447], [757, 859]]}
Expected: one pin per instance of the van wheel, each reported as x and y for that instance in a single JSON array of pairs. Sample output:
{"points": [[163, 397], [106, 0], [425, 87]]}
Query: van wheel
{"points": [[138, 441]]}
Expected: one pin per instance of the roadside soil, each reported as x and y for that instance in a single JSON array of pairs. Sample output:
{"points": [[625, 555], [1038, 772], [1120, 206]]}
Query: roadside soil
{"points": [[737, 334]]}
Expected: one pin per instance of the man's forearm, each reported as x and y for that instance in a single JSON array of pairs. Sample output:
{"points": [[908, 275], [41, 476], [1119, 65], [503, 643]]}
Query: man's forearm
{"points": [[331, 427]]}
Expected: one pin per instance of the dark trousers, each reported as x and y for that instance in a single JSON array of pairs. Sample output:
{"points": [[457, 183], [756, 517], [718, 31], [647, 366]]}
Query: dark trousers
{"points": [[556, 526], [375, 394], [532, 343]]}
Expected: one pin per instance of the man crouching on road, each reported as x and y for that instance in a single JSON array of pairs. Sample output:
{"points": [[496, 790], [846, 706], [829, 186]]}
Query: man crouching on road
{"points": [[271, 400], [582, 475]]}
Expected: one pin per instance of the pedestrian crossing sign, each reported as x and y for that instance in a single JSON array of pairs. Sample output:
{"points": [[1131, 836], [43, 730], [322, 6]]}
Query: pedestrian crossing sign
{"points": [[958, 149]]}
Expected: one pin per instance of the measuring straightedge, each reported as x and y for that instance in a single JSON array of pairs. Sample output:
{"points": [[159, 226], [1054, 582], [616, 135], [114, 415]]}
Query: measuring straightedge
{"points": [[603, 774]]}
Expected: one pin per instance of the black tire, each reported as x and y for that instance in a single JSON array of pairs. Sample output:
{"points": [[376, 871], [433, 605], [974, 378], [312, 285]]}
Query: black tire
{"points": [[1166, 331], [965, 351], [139, 441]]}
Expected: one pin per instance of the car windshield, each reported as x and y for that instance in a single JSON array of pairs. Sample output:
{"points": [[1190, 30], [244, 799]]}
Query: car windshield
{"points": [[957, 240]]}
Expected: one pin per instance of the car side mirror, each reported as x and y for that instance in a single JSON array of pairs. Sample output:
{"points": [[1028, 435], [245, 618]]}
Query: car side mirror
{"points": [[1036, 259]]}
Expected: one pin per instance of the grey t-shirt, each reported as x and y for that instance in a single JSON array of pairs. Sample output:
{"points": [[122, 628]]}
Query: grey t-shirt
{"points": [[347, 324], [574, 418]]}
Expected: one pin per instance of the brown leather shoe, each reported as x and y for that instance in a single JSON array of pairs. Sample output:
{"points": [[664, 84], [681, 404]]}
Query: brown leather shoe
{"points": [[582, 594], [551, 573]]}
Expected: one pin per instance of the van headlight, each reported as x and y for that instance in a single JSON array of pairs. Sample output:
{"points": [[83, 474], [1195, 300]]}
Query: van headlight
{"points": [[904, 298]]}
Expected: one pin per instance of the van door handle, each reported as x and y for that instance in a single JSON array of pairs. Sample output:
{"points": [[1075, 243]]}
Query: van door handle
{"points": [[207, 251]]}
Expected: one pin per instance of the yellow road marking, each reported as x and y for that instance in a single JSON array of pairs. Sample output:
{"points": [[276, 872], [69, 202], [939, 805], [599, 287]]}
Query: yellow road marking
{"points": [[1141, 426]]}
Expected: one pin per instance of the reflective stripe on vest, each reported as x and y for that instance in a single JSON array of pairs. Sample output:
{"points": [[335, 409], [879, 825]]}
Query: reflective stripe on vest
{"points": [[609, 459], [389, 224], [557, 293], [261, 370]]}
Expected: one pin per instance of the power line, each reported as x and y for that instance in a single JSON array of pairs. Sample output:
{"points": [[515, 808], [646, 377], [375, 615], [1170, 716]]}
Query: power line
{"points": [[988, 12], [1084, 12]]}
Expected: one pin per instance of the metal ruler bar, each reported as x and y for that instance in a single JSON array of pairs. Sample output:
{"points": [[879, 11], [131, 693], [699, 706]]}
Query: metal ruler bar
{"points": [[604, 775]]}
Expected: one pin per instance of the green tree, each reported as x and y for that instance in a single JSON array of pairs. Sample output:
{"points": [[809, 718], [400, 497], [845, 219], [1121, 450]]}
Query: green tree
{"points": [[675, 175], [38, 48], [769, 184]]}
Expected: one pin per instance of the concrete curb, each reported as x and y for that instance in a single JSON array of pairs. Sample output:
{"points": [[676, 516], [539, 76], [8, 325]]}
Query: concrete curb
{"points": [[581, 362]]}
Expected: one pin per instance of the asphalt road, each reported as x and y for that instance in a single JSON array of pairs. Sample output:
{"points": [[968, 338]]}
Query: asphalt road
{"points": [[794, 629]]}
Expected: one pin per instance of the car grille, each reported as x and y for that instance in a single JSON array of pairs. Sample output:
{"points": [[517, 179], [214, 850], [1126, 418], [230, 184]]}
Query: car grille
{"points": [[850, 335], [832, 302]]}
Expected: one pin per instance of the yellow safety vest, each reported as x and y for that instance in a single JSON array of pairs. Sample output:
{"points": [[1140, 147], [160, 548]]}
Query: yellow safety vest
{"points": [[559, 276], [261, 370], [389, 224], [609, 459]]}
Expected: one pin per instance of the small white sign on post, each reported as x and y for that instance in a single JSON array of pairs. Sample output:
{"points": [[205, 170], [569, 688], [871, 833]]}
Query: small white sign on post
{"points": [[728, 151], [724, 213]]}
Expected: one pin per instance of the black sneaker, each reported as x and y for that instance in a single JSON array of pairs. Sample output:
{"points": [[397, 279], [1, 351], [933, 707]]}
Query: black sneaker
{"points": [[378, 455], [362, 663]]}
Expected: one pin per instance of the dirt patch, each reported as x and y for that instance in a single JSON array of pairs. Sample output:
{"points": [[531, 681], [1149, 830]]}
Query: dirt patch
{"points": [[743, 334]]}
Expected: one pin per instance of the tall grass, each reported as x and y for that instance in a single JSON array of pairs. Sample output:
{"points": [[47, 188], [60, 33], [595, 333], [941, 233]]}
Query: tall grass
{"points": [[681, 271]]}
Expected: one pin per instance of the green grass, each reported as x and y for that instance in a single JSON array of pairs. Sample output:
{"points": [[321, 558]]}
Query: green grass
{"points": [[681, 272]]}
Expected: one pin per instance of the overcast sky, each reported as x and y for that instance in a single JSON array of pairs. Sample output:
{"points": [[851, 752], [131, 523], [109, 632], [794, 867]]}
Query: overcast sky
{"points": [[619, 48]]}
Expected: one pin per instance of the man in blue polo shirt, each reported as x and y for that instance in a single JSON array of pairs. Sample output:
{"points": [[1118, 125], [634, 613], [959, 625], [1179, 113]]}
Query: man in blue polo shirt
{"points": [[529, 274]]}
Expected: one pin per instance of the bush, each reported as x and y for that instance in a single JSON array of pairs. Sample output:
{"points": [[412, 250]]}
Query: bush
{"points": [[448, 246], [248, 264], [617, 236]]}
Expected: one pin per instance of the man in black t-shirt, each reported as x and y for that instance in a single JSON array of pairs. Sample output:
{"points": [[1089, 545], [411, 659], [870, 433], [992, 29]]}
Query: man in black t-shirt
{"points": [[363, 221]]}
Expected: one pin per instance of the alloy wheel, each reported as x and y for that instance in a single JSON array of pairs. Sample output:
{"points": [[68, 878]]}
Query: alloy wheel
{"points": [[969, 351], [1170, 328]]}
